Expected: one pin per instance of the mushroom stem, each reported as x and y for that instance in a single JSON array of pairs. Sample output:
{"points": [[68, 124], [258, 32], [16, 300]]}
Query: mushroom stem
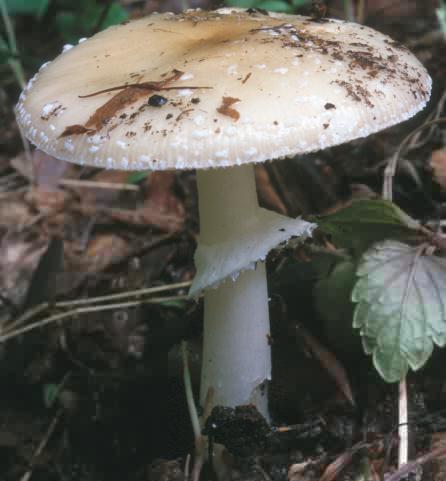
{"points": [[236, 352]]}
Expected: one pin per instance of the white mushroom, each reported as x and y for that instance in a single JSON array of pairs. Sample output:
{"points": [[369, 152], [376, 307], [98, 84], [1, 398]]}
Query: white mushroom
{"points": [[218, 91]]}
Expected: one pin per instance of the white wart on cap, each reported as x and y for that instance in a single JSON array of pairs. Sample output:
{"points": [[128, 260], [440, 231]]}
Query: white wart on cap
{"points": [[213, 89]]}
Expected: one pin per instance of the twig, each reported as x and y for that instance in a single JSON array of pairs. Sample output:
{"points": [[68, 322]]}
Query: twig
{"points": [[348, 11], [360, 11], [92, 184], [409, 467], [92, 300], [102, 17], [200, 440], [43, 444], [390, 170], [403, 426], [14, 63], [86, 310], [124, 295]]}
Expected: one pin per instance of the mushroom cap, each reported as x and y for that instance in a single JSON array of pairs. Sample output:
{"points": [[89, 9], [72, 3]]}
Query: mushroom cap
{"points": [[213, 89]]}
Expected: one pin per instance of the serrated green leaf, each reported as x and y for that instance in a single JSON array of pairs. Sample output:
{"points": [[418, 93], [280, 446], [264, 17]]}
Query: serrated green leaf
{"points": [[365, 222], [401, 307]]}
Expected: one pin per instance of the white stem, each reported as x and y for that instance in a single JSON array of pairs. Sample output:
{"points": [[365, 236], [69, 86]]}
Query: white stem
{"points": [[236, 353]]}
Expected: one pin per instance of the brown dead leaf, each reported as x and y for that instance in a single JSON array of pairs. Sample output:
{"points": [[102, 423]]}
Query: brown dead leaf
{"points": [[103, 251], [336, 466], [105, 197], [438, 440], [14, 214], [18, 261], [160, 209], [333, 366], [226, 107], [296, 472], [48, 203], [268, 195], [161, 194], [438, 166], [147, 216]]}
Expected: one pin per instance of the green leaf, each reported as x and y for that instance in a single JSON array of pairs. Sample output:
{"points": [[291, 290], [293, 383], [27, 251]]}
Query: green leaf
{"points": [[333, 303], [36, 8], [175, 304], [50, 394], [82, 20], [365, 222], [136, 177], [333, 294], [401, 307], [274, 5], [241, 3]]}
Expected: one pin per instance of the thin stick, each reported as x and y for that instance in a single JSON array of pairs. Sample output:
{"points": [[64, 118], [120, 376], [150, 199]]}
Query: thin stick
{"points": [[390, 170], [403, 426], [14, 63], [348, 11], [42, 444], [92, 300], [85, 310], [195, 420], [123, 295], [92, 184], [360, 11], [200, 441]]}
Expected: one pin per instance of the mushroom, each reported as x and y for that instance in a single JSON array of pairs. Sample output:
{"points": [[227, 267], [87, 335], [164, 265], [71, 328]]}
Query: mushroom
{"points": [[219, 91]]}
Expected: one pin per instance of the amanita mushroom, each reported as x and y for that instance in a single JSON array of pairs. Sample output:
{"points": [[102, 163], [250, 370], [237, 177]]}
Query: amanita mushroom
{"points": [[218, 91]]}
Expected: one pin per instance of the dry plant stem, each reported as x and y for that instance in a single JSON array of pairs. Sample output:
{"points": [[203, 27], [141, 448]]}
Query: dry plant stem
{"points": [[124, 295], [200, 440], [236, 353], [360, 11], [43, 443], [92, 300], [85, 310], [98, 185], [403, 427], [390, 170], [349, 11], [14, 63]]}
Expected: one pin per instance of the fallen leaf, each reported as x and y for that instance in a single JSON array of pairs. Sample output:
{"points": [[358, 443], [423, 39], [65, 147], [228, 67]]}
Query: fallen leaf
{"points": [[332, 365], [268, 195], [103, 251], [438, 165]]}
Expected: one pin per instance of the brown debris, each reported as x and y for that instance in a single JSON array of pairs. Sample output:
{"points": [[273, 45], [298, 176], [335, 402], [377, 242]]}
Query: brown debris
{"points": [[128, 95], [226, 108], [438, 165], [75, 130]]}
